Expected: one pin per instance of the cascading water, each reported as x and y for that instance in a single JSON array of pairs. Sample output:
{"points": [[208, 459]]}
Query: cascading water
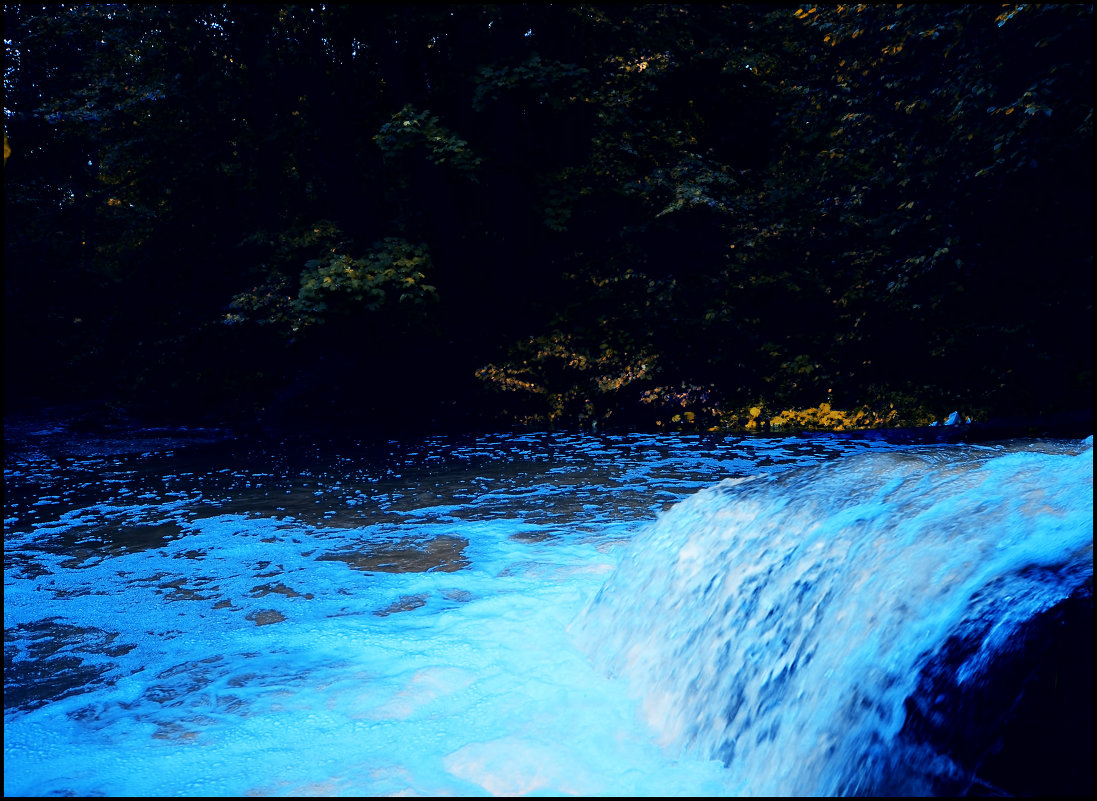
{"points": [[187, 616], [816, 629]]}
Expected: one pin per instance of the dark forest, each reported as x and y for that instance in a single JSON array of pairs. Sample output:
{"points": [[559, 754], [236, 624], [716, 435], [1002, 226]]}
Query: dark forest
{"points": [[710, 217]]}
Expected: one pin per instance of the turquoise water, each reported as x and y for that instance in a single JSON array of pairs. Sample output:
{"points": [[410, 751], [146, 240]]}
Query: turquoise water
{"points": [[529, 614]]}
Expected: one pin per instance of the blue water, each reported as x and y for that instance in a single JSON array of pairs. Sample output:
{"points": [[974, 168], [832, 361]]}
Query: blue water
{"points": [[779, 623], [534, 614]]}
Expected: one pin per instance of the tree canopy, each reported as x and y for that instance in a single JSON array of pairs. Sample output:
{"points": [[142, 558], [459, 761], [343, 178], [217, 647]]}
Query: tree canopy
{"points": [[699, 215]]}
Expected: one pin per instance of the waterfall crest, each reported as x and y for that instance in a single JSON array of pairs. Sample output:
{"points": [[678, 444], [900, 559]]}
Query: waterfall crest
{"points": [[790, 625]]}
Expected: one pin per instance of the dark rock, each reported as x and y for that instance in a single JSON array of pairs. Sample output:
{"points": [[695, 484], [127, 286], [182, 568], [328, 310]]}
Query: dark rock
{"points": [[1024, 724]]}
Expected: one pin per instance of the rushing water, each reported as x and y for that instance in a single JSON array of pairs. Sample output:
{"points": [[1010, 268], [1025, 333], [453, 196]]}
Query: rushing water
{"points": [[529, 614]]}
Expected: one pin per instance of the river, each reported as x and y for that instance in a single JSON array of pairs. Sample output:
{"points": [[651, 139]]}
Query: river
{"points": [[534, 613]]}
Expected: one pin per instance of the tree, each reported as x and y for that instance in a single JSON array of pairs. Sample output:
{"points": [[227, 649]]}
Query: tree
{"points": [[623, 213]]}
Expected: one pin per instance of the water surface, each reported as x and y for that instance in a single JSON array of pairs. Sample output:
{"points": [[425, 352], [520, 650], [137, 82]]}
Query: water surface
{"points": [[191, 616]]}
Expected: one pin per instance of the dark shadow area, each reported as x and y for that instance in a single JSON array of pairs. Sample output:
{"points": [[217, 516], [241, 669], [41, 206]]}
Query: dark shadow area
{"points": [[1023, 726]]}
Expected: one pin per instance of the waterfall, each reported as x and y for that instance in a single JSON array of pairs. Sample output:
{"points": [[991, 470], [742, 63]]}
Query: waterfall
{"points": [[840, 629]]}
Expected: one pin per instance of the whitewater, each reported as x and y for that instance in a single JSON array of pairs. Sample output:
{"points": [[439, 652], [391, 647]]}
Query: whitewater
{"points": [[523, 614]]}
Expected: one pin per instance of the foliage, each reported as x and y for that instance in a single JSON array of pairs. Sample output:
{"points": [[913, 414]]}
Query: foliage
{"points": [[335, 283], [573, 379], [410, 130], [391, 269], [604, 213]]}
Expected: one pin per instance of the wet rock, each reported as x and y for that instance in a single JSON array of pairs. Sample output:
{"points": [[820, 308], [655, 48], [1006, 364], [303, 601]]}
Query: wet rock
{"points": [[444, 554], [265, 617], [1022, 726]]}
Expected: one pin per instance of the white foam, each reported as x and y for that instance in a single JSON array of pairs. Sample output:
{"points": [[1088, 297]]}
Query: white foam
{"points": [[231, 659]]}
